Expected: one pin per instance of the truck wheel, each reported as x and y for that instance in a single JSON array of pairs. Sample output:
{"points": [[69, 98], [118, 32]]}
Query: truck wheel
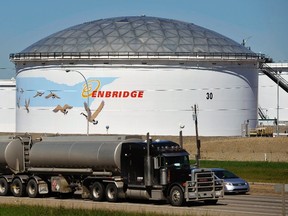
{"points": [[111, 192], [17, 188], [4, 187], [176, 196], [97, 191], [32, 188]]}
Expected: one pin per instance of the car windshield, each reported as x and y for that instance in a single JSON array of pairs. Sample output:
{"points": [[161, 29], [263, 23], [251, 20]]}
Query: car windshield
{"points": [[224, 174]]}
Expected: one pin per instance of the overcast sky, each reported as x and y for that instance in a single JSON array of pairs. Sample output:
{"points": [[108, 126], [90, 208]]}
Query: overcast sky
{"points": [[264, 23]]}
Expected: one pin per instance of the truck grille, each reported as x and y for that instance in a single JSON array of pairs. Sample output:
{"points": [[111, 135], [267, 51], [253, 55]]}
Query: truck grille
{"points": [[203, 186]]}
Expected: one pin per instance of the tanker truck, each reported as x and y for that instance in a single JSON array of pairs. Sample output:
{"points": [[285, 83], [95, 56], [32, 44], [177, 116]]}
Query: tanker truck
{"points": [[104, 168]]}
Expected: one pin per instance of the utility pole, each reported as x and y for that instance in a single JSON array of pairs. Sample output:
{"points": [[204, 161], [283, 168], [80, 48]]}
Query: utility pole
{"points": [[198, 143], [277, 123]]}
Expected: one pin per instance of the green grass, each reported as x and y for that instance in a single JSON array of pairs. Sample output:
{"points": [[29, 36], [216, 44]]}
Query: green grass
{"points": [[266, 172], [24, 210]]}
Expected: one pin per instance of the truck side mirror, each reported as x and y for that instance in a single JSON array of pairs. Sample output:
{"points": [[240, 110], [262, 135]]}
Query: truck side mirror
{"points": [[156, 162]]}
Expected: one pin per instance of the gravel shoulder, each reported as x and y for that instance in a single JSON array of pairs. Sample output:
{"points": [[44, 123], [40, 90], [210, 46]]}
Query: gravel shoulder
{"points": [[257, 188]]}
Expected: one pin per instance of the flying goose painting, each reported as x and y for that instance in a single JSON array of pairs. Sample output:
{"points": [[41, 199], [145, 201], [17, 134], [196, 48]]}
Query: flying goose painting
{"points": [[38, 94], [52, 95], [27, 104], [92, 117], [63, 109]]}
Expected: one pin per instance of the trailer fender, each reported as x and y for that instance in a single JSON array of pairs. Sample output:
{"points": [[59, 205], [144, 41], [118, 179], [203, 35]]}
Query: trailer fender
{"points": [[8, 178], [119, 184], [36, 178], [23, 178]]}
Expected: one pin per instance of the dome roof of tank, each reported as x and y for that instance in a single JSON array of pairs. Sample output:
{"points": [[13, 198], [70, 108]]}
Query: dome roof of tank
{"points": [[136, 34]]}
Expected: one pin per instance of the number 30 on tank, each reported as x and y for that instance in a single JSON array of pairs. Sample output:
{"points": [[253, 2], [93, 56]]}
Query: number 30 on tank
{"points": [[209, 95]]}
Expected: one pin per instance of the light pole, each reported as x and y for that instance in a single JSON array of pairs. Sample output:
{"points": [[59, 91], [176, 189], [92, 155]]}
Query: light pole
{"points": [[277, 125], [68, 71], [198, 142]]}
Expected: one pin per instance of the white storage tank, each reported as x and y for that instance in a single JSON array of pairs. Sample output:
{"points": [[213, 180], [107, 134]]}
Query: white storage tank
{"points": [[137, 74], [272, 98], [7, 105]]}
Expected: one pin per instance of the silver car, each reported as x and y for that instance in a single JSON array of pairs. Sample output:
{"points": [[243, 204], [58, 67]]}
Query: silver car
{"points": [[232, 183]]}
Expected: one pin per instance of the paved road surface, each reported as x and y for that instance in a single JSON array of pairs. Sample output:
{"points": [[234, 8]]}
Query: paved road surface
{"points": [[236, 205]]}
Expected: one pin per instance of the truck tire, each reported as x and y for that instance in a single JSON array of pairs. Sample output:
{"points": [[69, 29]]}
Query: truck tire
{"points": [[97, 191], [17, 188], [32, 188], [176, 196], [4, 187], [111, 192]]}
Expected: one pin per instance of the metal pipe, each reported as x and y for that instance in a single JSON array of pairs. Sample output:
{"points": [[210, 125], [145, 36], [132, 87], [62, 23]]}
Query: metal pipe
{"points": [[148, 144], [68, 71], [59, 170], [148, 168], [102, 173], [198, 145], [181, 139]]}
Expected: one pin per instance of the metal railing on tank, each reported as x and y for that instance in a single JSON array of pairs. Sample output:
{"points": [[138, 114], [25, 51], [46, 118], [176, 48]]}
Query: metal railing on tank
{"points": [[131, 55]]}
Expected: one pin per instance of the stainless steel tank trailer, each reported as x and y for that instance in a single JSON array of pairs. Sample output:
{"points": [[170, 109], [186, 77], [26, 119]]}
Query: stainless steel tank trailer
{"points": [[104, 168]]}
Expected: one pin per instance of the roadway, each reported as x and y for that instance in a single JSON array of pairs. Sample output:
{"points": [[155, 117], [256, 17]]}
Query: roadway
{"points": [[236, 205]]}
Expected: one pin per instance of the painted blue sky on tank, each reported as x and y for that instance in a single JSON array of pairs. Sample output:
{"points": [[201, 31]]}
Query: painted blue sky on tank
{"points": [[45, 93]]}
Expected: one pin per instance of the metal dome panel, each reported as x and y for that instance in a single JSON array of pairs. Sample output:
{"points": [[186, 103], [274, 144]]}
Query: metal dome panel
{"points": [[136, 34]]}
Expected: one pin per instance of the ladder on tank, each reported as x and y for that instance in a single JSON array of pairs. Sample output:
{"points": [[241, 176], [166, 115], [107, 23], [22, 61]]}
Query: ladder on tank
{"points": [[273, 75], [27, 142]]}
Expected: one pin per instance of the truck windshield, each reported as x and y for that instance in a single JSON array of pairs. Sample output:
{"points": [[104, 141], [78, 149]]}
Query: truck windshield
{"points": [[177, 161]]}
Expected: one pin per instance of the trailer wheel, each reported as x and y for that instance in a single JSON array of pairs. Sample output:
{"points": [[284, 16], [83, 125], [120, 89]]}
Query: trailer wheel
{"points": [[4, 187], [17, 188], [97, 191], [111, 192], [32, 188], [176, 196]]}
